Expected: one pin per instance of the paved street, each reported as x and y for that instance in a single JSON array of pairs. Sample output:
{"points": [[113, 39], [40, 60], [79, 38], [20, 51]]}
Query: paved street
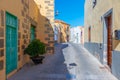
{"points": [[70, 62]]}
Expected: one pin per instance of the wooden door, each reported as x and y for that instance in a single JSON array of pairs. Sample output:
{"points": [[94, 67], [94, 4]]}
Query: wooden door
{"points": [[109, 40]]}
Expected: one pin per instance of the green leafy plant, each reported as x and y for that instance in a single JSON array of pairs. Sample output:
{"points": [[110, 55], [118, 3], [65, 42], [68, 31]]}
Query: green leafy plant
{"points": [[35, 48]]}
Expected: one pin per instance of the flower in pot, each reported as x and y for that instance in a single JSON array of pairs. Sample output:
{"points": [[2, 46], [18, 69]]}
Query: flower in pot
{"points": [[35, 50]]}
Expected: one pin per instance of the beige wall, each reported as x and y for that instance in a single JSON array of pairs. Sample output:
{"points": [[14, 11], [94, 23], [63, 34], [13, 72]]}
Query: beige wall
{"points": [[93, 18]]}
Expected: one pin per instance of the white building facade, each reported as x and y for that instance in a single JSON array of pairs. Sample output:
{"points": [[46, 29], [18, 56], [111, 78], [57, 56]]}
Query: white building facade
{"points": [[77, 35]]}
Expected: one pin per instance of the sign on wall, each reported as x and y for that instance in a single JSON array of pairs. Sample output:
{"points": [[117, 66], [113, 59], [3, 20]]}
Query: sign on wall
{"points": [[117, 34]]}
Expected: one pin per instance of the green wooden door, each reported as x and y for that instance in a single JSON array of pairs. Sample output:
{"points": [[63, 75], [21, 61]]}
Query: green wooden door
{"points": [[11, 43], [32, 33]]}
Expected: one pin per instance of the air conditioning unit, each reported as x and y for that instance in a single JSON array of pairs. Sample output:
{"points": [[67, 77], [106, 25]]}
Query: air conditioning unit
{"points": [[117, 34]]}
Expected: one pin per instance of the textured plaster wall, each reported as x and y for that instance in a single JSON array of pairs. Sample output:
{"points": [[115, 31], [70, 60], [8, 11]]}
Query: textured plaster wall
{"points": [[94, 19]]}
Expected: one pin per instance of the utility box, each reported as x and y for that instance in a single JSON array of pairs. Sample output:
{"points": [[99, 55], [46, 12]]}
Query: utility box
{"points": [[117, 34]]}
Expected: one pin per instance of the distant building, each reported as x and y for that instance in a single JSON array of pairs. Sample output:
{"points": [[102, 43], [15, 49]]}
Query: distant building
{"points": [[63, 31], [77, 34]]}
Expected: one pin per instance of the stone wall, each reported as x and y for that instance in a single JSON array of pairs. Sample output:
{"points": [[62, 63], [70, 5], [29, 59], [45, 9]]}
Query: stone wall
{"points": [[27, 13]]}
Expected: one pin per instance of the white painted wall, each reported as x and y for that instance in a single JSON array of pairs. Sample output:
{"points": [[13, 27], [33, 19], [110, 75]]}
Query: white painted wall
{"points": [[76, 34]]}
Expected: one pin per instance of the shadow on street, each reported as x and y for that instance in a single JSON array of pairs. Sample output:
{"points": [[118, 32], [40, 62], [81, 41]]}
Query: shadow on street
{"points": [[53, 68]]}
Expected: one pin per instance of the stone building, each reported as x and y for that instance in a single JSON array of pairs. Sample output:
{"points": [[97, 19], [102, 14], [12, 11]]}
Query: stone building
{"points": [[21, 21], [46, 8], [63, 31], [102, 32]]}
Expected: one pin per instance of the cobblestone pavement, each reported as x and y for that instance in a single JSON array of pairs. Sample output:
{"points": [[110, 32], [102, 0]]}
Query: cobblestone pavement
{"points": [[70, 62]]}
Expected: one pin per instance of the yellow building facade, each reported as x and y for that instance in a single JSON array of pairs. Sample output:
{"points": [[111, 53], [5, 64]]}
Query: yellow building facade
{"points": [[101, 23], [20, 22], [63, 31]]}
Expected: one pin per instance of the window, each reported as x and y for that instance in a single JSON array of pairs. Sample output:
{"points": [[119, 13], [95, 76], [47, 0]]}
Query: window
{"points": [[32, 34], [89, 34]]}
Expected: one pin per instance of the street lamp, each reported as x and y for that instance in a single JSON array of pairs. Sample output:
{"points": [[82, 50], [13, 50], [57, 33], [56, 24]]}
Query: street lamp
{"points": [[57, 13]]}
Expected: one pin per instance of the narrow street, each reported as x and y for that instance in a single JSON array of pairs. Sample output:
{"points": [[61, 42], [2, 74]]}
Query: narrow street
{"points": [[70, 62]]}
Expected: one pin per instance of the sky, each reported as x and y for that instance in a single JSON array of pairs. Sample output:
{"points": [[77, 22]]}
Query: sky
{"points": [[70, 11]]}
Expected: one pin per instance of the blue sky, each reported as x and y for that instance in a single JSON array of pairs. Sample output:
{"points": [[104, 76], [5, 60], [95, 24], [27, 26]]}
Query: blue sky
{"points": [[70, 11]]}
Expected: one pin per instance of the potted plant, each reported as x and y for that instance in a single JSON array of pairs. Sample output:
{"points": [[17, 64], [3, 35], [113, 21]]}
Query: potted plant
{"points": [[35, 50]]}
